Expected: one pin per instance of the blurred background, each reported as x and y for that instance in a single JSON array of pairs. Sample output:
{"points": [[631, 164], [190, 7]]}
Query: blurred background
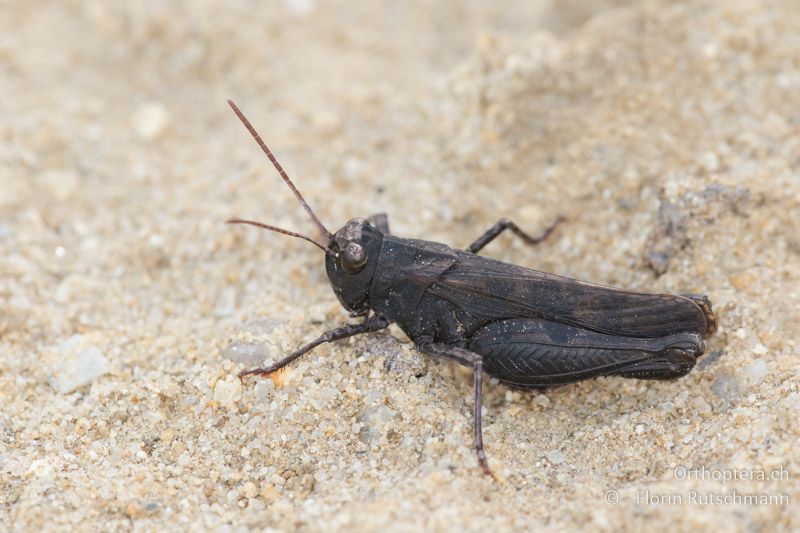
{"points": [[665, 132]]}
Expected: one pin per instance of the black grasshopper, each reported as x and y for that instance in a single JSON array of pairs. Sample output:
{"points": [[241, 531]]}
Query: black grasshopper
{"points": [[529, 329]]}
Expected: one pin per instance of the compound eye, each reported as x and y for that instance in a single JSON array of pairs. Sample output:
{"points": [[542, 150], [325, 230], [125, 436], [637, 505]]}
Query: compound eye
{"points": [[353, 258]]}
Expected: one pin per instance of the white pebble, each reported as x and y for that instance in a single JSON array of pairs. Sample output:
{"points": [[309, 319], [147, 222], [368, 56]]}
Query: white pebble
{"points": [[247, 353], [756, 370], [227, 392], [760, 349], [40, 468], [300, 7], [80, 365], [149, 120], [226, 302], [710, 162], [555, 457], [60, 183]]}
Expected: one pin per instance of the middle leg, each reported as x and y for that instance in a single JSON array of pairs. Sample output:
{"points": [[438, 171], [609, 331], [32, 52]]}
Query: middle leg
{"points": [[466, 358]]}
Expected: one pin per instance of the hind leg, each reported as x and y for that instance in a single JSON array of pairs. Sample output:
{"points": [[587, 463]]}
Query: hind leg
{"points": [[532, 353], [506, 224]]}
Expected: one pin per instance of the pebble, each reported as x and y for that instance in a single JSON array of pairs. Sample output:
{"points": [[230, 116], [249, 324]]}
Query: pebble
{"points": [[541, 400], [263, 326], [226, 302], [60, 183], [263, 388], [376, 421], [150, 119], [756, 370], [249, 353], [710, 161], [726, 387], [556, 457], [134, 510], [300, 7], [80, 365], [227, 392], [249, 489]]}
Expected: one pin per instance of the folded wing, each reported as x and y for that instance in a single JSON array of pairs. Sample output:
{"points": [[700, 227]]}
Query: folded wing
{"points": [[488, 289]]}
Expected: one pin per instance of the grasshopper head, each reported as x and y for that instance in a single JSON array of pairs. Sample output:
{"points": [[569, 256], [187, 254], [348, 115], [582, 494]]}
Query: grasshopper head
{"points": [[351, 253], [350, 267]]}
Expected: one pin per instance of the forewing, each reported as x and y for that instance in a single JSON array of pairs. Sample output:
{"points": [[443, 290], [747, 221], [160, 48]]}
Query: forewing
{"points": [[489, 289]]}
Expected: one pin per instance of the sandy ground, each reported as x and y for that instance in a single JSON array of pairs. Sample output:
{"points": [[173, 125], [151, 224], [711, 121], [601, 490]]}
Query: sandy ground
{"points": [[667, 133]]}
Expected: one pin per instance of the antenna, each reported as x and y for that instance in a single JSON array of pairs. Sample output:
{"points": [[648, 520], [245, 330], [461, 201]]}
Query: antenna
{"points": [[281, 230], [285, 177]]}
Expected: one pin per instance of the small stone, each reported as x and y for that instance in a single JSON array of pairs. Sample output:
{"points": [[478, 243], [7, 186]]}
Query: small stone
{"points": [[226, 302], [40, 468], [80, 365], [743, 434], [269, 492], [376, 421], [300, 7], [307, 483], [710, 162], [227, 392], [555, 457], [743, 281], [327, 124], [760, 349], [167, 435], [12, 467], [175, 450], [756, 370], [263, 326], [249, 489], [680, 399], [247, 353], [254, 504], [701, 405], [531, 212], [541, 400], [134, 510], [264, 388], [726, 387], [60, 183], [185, 459], [149, 120]]}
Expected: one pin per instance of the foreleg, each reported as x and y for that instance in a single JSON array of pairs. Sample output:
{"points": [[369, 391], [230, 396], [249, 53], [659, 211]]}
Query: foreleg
{"points": [[374, 323]]}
